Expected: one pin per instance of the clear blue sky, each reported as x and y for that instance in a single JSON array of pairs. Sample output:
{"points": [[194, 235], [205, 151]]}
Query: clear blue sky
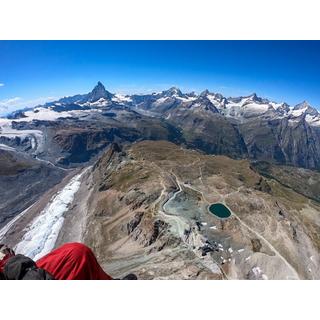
{"points": [[33, 71]]}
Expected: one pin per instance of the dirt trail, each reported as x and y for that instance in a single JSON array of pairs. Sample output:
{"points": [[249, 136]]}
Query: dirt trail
{"points": [[294, 272], [277, 253]]}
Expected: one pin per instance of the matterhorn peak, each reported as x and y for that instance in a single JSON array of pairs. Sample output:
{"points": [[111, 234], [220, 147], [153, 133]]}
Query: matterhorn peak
{"points": [[99, 87], [98, 92], [99, 84]]}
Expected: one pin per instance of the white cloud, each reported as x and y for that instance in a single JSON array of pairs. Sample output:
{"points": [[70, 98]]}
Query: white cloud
{"points": [[16, 103], [10, 101], [7, 104], [1, 84]]}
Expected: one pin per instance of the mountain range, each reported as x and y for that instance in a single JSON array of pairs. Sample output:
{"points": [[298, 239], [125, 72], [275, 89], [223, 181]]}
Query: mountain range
{"points": [[80, 126]]}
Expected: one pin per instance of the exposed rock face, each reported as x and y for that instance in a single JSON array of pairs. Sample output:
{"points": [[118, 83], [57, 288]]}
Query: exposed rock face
{"points": [[283, 142], [22, 181], [132, 224], [20, 143], [303, 181], [214, 134], [81, 144], [98, 92]]}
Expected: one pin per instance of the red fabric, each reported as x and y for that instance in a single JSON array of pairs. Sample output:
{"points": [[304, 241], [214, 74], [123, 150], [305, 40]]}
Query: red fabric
{"points": [[73, 261], [4, 260]]}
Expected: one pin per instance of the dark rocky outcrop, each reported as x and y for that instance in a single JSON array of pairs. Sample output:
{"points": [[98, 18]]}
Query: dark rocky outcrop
{"points": [[132, 224], [256, 245]]}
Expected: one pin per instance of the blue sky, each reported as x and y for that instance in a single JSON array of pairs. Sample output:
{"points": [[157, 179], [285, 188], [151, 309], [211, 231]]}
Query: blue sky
{"points": [[32, 72]]}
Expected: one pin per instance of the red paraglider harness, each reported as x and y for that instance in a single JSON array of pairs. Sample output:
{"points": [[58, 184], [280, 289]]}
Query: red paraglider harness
{"points": [[72, 261]]}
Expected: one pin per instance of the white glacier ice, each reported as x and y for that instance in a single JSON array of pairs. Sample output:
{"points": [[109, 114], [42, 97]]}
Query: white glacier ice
{"points": [[43, 231]]}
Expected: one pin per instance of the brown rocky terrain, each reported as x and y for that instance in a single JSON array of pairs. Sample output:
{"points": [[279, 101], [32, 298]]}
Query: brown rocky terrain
{"points": [[143, 209], [303, 181]]}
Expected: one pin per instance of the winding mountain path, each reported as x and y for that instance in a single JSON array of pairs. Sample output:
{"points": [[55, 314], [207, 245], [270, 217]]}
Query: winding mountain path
{"points": [[180, 226], [277, 253]]}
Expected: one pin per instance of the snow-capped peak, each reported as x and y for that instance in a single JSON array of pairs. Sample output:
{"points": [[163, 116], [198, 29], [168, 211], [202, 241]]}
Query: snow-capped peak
{"points": [[215, 98], [242, 108], [253, 97], [98, 92], [302, 105], [205, 93], [173, 91], [303, 108]]}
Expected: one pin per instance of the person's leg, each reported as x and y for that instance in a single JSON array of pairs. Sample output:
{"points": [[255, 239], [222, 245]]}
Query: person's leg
{"points": [[5, 254], [73, 261]]}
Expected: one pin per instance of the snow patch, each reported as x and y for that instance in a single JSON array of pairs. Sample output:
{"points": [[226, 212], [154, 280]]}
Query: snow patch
{"points": [[5, 147], [258, 273], [313, 120], [161, 100], [299, 112], [213, 99], [121, 98], [44, 114], [188, 99], [7, 131], [102, 102], [275, 105], [256, 108]]}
